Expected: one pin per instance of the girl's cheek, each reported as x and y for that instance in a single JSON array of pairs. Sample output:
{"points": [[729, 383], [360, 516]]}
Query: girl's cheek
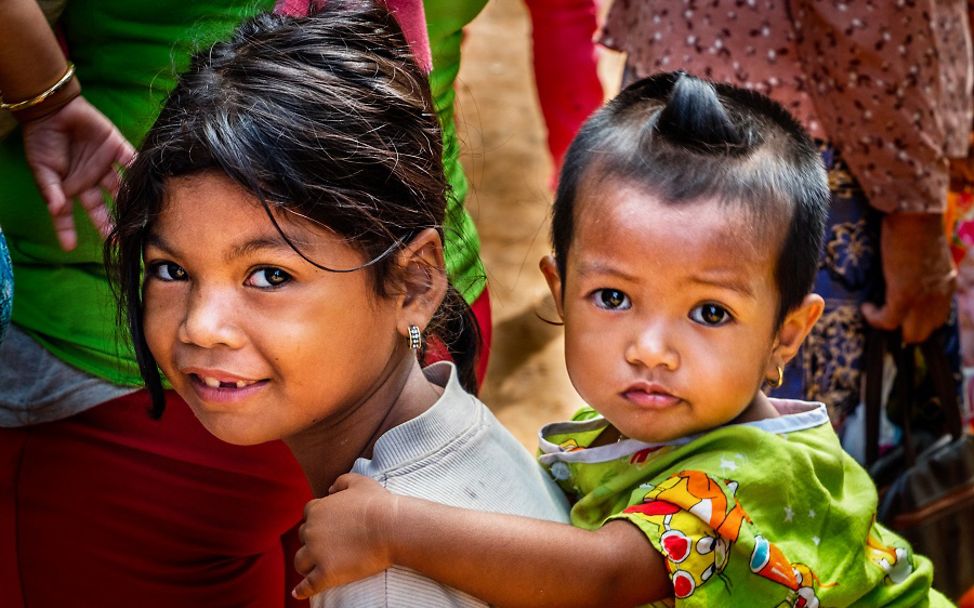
{"points": [[159, 319]]}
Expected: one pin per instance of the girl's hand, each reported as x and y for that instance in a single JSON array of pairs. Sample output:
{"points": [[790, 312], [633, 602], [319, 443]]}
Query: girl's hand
{"points": [[73, 154], [346, 535]]}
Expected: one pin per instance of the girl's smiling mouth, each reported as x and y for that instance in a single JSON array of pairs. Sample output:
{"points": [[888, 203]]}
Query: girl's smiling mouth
{"points": [[218, 386], [650, 395]]}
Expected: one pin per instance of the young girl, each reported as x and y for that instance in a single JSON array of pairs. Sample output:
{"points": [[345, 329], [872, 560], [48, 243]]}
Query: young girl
{"points": [[686, 231], [278, 255]]}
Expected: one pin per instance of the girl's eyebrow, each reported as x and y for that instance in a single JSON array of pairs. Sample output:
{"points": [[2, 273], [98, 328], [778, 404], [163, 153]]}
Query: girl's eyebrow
{"points": [[262, 243], [275, 244], [154, 240]]}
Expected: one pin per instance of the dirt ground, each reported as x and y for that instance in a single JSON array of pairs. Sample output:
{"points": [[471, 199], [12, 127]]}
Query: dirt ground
{"points": [[506, 160]]}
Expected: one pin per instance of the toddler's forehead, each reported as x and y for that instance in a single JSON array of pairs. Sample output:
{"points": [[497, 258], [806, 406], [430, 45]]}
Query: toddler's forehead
{"points": [[649, 241], [730, 222]]}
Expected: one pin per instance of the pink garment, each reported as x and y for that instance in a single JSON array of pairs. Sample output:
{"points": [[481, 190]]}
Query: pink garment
{"points": [[565, 68], [888, 83], [409, 14]]}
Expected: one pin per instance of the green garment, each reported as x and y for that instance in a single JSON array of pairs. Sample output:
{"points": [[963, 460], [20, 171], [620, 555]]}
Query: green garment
{"points": [[763, 514], [445, 20], [127, 56]]}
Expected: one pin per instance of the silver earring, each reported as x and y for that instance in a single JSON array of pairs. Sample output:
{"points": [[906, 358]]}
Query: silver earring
{"points": [[415, 338]]}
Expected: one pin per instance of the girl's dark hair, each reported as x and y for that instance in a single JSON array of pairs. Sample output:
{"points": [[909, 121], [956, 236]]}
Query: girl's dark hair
{"points": [[683, 139], [327, 117]]}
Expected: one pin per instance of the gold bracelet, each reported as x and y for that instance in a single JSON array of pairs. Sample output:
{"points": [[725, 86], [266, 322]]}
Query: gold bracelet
{"points": [[39, 99]]}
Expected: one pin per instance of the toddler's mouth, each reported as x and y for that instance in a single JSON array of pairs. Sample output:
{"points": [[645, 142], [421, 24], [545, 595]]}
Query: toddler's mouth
{"points": [[650, 395]]}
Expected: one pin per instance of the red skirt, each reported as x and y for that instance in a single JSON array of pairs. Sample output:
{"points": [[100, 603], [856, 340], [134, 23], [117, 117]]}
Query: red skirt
{"points": [[111, 508]]}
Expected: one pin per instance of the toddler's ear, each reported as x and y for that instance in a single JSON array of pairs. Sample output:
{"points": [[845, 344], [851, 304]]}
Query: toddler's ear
{"points": [[550, 271], [795, 328], [422, 279]]}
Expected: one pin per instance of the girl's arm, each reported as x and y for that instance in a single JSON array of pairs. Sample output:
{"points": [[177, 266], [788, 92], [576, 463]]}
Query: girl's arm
{"points": [[361, 529]]}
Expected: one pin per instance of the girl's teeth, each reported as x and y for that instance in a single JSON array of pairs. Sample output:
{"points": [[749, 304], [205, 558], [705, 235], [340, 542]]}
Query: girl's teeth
{"points": [[214, 383]]}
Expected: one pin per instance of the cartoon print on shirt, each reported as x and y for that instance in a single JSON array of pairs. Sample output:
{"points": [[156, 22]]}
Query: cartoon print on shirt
{"points": [[895, 561], [687, 506], [699, 520], [769, 562]]}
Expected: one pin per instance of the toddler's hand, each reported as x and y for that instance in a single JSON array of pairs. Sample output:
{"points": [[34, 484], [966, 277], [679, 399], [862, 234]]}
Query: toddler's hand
{"points": [[345, 536]]}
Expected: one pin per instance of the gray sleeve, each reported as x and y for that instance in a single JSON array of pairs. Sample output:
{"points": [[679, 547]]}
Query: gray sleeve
{"points": [[395, 588]]}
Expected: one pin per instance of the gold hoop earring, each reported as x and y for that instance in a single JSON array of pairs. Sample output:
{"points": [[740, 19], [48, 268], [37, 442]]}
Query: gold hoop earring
{"points": [[415, 338], [780, 380]]}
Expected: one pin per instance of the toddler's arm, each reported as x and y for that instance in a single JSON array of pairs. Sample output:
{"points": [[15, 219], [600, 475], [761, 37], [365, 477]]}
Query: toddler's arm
{"points": [[361, 529]]}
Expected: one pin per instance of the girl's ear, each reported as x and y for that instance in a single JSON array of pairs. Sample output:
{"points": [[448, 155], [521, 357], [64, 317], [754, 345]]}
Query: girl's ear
{"points": [[793, 331], [549, 268], [422, 280]]}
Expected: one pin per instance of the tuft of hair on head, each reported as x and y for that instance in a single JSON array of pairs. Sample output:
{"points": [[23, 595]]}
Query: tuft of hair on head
{"points": [[683, 140], [325, 119], [695, 117]]}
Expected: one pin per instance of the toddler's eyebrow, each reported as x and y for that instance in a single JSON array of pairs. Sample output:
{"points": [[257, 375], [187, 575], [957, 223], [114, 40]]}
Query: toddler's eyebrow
{"points": [[586, 268], [742, 287]]}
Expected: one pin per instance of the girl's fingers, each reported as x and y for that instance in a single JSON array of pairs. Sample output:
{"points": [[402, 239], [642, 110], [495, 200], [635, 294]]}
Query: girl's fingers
{"points": [[303, 561], [308, 586], [343, 482]]}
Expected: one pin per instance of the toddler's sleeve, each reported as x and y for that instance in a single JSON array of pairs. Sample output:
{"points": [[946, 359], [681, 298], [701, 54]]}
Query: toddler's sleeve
{"points": [[713, 554]]}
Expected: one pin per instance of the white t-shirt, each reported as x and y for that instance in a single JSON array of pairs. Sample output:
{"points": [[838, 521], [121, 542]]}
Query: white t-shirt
{"points": [[455, 453]]}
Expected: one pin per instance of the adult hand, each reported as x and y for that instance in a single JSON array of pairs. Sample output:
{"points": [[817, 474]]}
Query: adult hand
{"points": [[345, 535], [73, 153], [920, 277]]}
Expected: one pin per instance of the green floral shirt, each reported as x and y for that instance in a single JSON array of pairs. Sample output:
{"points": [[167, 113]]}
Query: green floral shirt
{"points": [[764, 514]]}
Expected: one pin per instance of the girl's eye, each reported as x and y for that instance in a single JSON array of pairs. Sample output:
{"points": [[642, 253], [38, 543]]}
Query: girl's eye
{"points": [[167, 271], [611, 299], [266, 278], [710, 314]]}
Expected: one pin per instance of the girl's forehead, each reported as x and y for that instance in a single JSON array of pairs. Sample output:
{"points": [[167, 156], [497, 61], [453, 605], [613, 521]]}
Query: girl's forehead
{"points": [[200, 195]]}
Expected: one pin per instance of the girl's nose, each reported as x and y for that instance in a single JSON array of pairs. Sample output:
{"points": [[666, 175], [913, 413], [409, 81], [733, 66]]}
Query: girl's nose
{"points": [[652, 347], [209, 321]]}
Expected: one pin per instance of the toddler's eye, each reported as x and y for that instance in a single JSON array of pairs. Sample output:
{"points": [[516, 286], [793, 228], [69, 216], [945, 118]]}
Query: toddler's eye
{"points": [[265, 278], [710, 314], [611, 299], [167, 271]]}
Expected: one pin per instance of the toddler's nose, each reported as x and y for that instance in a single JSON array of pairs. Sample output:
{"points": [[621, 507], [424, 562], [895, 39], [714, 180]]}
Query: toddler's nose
{"points": [[651, 347]]}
